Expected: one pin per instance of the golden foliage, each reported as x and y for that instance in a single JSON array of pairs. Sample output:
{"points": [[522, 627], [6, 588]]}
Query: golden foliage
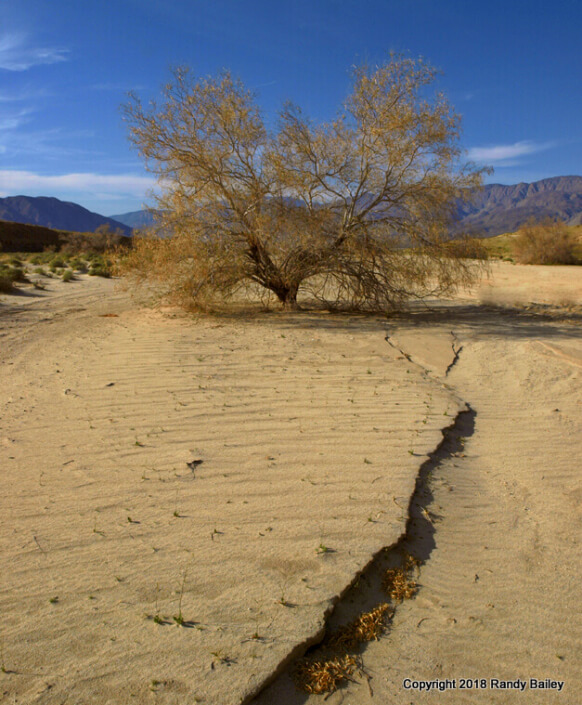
{"points": [[545, 242], [367, 627], [358, 209], [398, 583], [324, 675]]}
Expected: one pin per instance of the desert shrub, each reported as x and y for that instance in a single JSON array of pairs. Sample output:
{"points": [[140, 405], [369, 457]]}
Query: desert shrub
{"points": [[101, 241], [100, 272], [57, 263], [468, 248], [78, 264], [17, 274], [99, 266], [40, 258], [9, 275], [6, 284], [545, 242], [68, 275]]}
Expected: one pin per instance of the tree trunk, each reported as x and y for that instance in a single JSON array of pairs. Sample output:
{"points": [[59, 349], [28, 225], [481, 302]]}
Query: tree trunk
{"points": [[287, 295], [290, 302]]}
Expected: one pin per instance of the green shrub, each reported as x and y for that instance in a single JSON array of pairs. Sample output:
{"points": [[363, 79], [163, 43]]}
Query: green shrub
{"points": [[68, 275], [9, 275], [78, 264], [99, 270], [57, 263], [15, 274], [99, 266], [19, 274]]}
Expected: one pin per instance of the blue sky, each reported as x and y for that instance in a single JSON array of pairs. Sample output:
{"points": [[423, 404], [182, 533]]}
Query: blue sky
{"points": [[512, 69]]}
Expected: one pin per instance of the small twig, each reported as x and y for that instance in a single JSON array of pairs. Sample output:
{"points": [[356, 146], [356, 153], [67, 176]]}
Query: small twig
{"points": [[39, 546]]}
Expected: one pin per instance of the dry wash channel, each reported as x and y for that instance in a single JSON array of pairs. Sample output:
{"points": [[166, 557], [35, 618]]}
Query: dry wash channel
{"points": [[184, 501], [499, 597]]}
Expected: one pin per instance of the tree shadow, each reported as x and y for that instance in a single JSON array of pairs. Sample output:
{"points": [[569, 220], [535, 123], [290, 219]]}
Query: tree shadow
{"points": [[483, 319]]}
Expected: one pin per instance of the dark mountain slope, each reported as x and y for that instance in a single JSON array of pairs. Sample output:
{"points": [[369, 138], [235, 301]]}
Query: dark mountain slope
{"points": [[53, 213]]}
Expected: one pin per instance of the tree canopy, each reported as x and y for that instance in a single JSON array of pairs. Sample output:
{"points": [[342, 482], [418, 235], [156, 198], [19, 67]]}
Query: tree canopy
{"points": [[357, 210]]}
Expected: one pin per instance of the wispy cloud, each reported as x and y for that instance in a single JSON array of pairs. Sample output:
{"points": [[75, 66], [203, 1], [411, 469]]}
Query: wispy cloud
{"points": [[18, 54], [27, 94], [116, 87], [507, 154], [12, 120], [18, 140], [101, 185]]}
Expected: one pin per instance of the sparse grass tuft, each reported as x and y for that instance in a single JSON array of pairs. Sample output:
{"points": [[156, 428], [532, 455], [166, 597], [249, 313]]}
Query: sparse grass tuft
{"points": [[322, 549], [179, 618]]}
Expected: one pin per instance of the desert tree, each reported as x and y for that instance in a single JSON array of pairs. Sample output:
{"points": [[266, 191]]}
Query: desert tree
{"points": [[357, 210]]}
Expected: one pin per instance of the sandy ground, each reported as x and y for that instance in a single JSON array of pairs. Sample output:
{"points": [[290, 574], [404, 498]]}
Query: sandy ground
{"points": [[237, 474]]}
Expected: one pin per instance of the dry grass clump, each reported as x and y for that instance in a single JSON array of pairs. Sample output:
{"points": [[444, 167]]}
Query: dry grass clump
{"points": [[324, 675], [398, 582], [545, 242], [367, 627]]}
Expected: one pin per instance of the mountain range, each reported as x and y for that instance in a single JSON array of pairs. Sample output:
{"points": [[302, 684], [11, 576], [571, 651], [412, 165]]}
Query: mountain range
{"points": [[56, 214], [494, 210], [498, 209]]}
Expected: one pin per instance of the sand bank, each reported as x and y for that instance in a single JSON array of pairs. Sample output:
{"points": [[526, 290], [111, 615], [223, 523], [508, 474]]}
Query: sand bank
{"points": [[183, 501]]}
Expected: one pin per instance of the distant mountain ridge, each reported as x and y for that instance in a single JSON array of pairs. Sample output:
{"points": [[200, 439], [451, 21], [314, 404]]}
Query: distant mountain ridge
{"points": [[56, 214], [136, 219], [494, 210], [500, 209]]}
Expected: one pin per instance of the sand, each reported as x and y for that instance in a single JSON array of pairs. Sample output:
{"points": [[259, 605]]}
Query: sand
{"points": [[237, 474]]}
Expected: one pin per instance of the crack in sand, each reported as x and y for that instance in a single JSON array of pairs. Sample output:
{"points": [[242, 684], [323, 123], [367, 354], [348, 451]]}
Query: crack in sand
{"points": [[414, 547], [456, 353]]}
